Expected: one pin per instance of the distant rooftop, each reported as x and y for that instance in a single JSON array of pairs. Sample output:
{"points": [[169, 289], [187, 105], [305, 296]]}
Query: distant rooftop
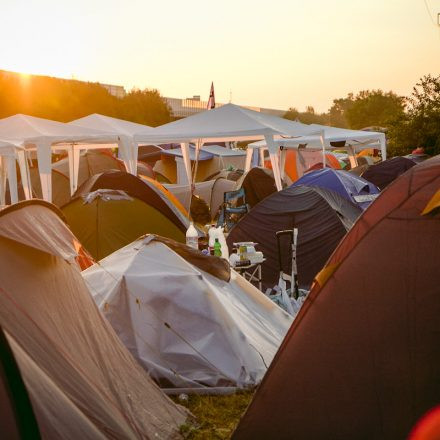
{"points": [[181, 108]]}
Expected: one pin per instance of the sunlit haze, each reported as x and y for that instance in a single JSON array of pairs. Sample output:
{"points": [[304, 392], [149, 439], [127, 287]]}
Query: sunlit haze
{"points": [[275, 54]]}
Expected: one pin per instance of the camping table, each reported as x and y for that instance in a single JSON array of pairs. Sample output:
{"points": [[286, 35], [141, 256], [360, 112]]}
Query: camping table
{"points": [[252, 273]]}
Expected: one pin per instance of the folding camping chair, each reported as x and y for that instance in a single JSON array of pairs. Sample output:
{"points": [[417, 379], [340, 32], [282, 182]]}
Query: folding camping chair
{"points": [[285, 277], [230, 212]]}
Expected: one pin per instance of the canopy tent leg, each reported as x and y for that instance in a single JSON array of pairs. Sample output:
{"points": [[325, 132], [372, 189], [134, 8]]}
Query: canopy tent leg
{"points": [[273, 153], [283, 153], [199, 145], [74, 155], [44, 155], [12, 179], [324, 159], [126, 154], [247, 164], [2, 180], [352, 157], [261, 157], [24, 172], [187, 162], [383, 147]]}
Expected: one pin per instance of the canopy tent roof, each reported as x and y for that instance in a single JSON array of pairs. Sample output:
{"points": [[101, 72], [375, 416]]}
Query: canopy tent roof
{"points": [[42, 134], [189, 323], [220, 151], [358, 139], [32, 130], [109, 124], [177, 152], [228, 122]]}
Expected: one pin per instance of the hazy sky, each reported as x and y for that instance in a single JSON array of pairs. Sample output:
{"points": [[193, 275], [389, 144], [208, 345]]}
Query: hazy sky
{"points": [[272, 53]]}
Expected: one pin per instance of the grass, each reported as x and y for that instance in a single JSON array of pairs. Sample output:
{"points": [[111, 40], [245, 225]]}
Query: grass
{"points": [[215, 416]]}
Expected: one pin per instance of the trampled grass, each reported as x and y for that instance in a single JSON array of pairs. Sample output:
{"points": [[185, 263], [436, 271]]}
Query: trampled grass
{"points": [[215, 416]]}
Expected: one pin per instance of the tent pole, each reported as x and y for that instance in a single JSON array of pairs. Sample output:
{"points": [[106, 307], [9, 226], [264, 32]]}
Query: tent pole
{"points": [[24, 172], [12, 179], [383, 147], [187, 162], [274, 160], [321, 137], [44, 154], [247, 164]]}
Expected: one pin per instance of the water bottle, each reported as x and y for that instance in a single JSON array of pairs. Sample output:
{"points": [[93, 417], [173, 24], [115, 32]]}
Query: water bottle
{"points": [[192, 237], [217, 248]]}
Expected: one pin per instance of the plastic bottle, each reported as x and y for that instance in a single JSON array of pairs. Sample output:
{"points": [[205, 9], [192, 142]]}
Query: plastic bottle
{"points": [[192, 237], [217, 248]]}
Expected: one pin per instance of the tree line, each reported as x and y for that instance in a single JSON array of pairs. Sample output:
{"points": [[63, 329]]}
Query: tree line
{"points": [[409, 122], [65, 100]]}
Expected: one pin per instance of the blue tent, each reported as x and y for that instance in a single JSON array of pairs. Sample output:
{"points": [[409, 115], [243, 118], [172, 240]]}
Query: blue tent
{"points": [[354, 188]]}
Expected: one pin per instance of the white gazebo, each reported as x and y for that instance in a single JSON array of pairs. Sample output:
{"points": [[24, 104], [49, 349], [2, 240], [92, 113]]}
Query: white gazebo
{"points": [[11, 151], [119, 127], [227, 123], [333, 138], [44, 136]]}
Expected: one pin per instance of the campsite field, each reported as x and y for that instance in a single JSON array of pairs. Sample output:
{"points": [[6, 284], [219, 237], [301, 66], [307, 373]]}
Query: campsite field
{"points": [[215, 416]]}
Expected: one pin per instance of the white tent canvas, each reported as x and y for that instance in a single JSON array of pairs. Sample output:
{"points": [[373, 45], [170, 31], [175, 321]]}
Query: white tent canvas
{"points": [[188, 328], [43, 135], [124, 129], [227, 123]]}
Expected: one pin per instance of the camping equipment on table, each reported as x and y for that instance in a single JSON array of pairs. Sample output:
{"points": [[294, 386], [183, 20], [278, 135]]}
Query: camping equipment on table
{"points": [[321, 216]]}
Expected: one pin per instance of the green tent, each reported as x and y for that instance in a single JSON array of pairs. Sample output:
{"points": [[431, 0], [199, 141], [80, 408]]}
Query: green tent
{"points": [[110, 219]]}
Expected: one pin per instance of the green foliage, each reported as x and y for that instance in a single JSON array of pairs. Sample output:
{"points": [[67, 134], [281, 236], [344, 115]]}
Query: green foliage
{"points": [[419, 126], [373, 108], [66, 100], [307, 117]]}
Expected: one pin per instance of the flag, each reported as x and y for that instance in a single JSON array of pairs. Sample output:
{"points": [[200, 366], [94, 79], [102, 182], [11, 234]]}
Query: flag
{"points": [[211, 101]]}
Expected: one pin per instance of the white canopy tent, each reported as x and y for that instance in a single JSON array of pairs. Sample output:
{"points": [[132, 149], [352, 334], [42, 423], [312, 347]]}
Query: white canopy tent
{"points": [[227, 123], [44, 135], [10, 151], [353, 141], [120, 127]]}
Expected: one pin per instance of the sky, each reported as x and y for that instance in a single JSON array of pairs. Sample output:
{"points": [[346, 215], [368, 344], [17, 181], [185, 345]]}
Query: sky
{"points": [[276, 53]]}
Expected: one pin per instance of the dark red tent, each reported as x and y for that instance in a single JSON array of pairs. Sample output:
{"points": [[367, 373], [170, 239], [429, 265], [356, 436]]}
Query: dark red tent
{"points": [[362, 358]]}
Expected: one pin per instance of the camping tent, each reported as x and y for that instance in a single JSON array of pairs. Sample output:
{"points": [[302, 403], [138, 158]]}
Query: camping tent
{"points": [[383, 173], [361, 360], [356, 189], [211, 160], [44, 135], [81, 380], [226, 123], [112, 209], [188, 320], [90, 163], [258, 183], [321, 216]]}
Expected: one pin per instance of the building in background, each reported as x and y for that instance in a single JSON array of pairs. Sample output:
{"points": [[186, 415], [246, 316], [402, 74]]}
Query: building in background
{"points": [[181, 108], [117, 91]]}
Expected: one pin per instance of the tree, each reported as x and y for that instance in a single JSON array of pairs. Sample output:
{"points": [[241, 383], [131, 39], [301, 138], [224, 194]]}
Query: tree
{"points": [[291, 114], [337, 111], [307, 117], [419, 126], [374, 108]]}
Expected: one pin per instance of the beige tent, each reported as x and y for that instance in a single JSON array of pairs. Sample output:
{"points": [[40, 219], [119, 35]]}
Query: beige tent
{"points": [[82, 382]]}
